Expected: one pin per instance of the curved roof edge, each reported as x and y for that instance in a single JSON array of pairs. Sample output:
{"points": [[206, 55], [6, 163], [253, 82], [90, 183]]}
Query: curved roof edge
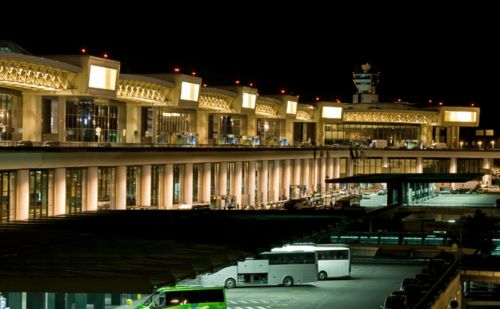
{"points": [[40, 61]]}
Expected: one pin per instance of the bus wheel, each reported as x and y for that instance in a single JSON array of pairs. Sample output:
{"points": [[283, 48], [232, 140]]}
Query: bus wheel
{"points": [[287, 281], [230, 283], [322, 275]]}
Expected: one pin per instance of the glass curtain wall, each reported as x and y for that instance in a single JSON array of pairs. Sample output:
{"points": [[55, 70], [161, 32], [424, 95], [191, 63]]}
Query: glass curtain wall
{"points": [[226, 129], [7, 194], [156, 184], [39, 193], [268, 131], [178, 183], [89, 120], [343, 133], [10, 115], [441, 166], [133, 185], [172, 126], [74, 190], [403, 166]]}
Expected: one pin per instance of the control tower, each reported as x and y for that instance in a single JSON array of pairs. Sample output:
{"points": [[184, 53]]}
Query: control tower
{"points": [[366, 83]]}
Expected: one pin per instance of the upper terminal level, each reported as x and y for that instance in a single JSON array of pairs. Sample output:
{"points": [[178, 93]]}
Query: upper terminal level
{"points": [[82, 98]]}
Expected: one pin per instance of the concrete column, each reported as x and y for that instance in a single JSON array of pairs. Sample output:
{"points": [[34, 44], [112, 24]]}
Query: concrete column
{"points": [[32, 118], [276, 180], [61, 102], [264, 174], [252, 126], [385, 164], [487, 178], [121, 187], [146, 185], [188, 183], [330, 170], [322, 175], [223, 178], [238, 181], [316, 164], [305, 174], [207, 171], [202, 126], [251, 182], [336, 168], [59, 191], [92, 182], [296, 171], [133, 126], [23, 194], [286, 177], [169, 186], [420, 165], [289, 131], [453, 165], [436, 134], [349, 167]]}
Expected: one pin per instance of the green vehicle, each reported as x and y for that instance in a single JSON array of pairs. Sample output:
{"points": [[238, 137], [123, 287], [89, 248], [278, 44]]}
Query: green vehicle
{"points": [[186, 297]]}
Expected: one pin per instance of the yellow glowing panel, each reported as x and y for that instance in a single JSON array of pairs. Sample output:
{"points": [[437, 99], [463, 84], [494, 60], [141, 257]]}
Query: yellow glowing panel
{"points": [[332, 112], [249, 100], [189, 91], [102, 78], [456, 116], [489, 132], [291, 107]]}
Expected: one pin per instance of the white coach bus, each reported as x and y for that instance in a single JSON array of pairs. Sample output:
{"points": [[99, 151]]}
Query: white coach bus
{"points": [[334, 260], [269, 268]]}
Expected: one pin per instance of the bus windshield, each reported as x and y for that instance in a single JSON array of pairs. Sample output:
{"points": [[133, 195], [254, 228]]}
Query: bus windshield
{"points": [[178, 297]]}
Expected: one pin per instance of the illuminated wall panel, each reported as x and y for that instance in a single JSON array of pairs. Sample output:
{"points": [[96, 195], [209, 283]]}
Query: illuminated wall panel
{"points": [[102, 78], [189, 91], [332, 112], [249, 100], [291, 107], [460, 116]]}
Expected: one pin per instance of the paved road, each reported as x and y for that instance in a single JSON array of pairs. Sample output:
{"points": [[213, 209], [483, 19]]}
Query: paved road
{"points": [[368, 288]]}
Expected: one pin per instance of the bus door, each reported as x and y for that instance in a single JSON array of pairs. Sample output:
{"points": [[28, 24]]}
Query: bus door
{"points": [[253, 272]]}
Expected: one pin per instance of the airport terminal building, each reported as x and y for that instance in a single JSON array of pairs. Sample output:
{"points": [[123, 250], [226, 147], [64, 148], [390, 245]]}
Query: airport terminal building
{"points": [[77, 135]]}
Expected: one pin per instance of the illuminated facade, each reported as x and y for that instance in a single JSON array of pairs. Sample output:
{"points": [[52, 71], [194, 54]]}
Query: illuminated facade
{"points": [[77, 135]]}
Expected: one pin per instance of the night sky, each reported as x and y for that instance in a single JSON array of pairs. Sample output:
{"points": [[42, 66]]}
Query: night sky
{"points": [[445, 53]]}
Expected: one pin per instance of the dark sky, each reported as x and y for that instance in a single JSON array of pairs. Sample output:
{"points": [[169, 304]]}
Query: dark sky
{"points": [[445, 53]]}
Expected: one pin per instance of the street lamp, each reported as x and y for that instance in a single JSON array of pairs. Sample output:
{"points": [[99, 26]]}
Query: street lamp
{"points": [[492, 144], [461, 144], [479, 144]]}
